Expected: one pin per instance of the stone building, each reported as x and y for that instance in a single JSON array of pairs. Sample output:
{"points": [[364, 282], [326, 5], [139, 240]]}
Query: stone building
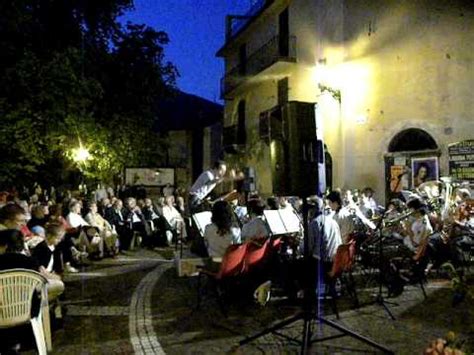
{"points": [[392, 83]]}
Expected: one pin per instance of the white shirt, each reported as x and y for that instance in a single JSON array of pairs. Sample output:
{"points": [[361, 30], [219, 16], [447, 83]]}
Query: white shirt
{"points": [[257, 227], [75, 220], [171, 214], [345, 220], [217, 244], [421, 229], [205, 183], [51, 260], [325, 238]]}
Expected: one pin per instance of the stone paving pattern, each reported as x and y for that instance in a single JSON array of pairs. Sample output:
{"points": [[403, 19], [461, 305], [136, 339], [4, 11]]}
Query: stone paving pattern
{"points": [[137, 304]]}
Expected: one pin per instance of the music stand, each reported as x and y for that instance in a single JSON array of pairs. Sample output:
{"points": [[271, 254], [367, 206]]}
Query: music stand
{"points": [[309, 312]]}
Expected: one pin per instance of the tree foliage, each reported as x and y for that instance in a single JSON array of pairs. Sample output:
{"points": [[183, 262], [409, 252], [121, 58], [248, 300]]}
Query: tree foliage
{"points": [[70, 73]]}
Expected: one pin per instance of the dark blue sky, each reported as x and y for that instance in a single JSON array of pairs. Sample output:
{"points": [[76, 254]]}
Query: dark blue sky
{"points": [[196, 29]]}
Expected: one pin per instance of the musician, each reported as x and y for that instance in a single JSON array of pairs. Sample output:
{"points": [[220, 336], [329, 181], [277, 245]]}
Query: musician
{"points": [[324, 234], [205, 183], [257, 226], [345, 215], [223, 231], [419, 229]]}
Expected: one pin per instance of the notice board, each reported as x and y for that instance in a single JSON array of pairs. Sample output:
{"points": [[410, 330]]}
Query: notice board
{"points": [[461, 160], [149, 176]]}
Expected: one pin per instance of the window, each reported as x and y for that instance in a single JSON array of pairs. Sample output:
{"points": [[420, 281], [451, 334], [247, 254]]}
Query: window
{"points": [[241, 129]]}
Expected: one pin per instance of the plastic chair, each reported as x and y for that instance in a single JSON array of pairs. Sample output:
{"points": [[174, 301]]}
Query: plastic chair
{"points": [[231, 267], [17, 289], [255, 255], [343, 263]]}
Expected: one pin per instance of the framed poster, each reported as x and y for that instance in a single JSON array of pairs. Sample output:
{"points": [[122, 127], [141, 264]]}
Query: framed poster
{"points": [[423, 170], [149, 176]]}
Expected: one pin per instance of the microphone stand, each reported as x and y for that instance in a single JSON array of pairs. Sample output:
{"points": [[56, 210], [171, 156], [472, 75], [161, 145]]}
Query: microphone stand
{"points": [[310, 312], [379, 299]]}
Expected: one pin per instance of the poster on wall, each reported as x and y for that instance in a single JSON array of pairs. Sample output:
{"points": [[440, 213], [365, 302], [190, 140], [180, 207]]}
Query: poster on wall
{"points": [[398, 178], [149, 176], [423, 170], [461, 160]]}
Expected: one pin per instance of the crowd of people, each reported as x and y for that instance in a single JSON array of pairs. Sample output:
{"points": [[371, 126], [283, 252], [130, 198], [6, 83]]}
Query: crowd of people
{"points": [[57, 235]]}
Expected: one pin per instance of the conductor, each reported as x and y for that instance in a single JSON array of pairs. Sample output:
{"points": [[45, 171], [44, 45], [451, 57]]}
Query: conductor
{"points": [[205, 183]]}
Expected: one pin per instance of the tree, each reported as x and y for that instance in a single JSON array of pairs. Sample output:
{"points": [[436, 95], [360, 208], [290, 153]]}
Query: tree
{"points": [[70, 72]]}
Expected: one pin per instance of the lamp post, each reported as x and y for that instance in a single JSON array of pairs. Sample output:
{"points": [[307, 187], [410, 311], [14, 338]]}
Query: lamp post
{"points": [[80, 155]]}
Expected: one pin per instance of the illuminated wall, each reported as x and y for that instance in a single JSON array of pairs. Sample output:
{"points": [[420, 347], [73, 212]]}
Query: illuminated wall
{"points": [[395, 64]]}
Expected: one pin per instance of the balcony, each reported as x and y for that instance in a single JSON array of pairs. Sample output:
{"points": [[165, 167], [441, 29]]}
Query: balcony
{"points": [[240, 22], [275, 50]]}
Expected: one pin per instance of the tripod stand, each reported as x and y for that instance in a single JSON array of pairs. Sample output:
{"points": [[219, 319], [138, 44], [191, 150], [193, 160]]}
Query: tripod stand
{"points": [[379, 299], [308, 313]]}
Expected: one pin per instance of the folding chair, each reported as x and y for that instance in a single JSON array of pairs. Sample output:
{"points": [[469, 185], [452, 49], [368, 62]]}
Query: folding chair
{"points": [[343, 263], [18, 288], [230, 269]]}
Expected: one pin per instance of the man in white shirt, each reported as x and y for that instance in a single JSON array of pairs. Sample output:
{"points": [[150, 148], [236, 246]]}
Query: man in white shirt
{"points": [[74, 217], [205, 183]]}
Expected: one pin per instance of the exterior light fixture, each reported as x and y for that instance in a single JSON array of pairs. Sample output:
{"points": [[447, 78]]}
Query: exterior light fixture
{"points": [[80, 154]]}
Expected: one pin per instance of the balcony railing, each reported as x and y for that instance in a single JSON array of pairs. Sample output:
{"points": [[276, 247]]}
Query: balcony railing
{"points": [[275, 50], [241, 21]]}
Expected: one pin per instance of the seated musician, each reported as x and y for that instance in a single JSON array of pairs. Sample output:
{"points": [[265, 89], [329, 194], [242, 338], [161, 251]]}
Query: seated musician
{"points": [[222, 232], [257, 226], [324, 235], [345, 215], [418, 229]]}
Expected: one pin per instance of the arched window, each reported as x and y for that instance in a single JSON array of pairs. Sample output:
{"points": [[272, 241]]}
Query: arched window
{"points": [[412, 139], [241, 129]]}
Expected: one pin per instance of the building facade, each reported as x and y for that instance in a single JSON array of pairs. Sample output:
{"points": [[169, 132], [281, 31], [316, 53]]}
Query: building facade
{"points": [[392, 83]]}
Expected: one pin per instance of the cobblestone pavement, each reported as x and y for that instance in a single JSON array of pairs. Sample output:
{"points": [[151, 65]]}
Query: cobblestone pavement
{"points": [[137, 304]]}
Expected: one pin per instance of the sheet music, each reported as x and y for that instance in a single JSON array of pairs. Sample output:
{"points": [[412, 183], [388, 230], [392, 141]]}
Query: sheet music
{"points": [[290, 220], [202, 219], [275, 222]]}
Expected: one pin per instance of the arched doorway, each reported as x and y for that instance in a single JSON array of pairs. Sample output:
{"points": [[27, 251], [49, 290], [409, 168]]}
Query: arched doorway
{"points": [[412, 139], [407, 150]]}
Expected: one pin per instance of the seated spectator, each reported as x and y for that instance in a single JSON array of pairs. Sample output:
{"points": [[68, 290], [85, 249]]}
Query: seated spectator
{"points": [[116, 218], [56, 216], [158, 223], [257, 226], [222, 232], [38, 216], [12, 216], [173, 217], [74, 218], [135, 220], [105, 229], [11, 258]]}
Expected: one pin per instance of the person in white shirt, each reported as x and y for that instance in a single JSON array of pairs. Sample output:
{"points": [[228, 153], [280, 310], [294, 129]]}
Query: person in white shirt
{"points": [[222, 232], [74, 217], [345, 216], [173, 217], [324, 234], [205, 183], [419, 229], [257, 226]]}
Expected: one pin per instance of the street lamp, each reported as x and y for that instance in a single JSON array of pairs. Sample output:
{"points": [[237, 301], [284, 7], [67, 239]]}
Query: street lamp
{"points": [[80, 155]]}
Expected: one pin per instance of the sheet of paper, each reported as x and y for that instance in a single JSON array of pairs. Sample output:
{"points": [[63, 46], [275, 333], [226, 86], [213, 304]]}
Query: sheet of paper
{"points": [[202, 219], [274, 221], [290, 220]]}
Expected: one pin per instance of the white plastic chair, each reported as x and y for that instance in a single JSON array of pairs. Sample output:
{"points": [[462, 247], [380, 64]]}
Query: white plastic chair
{"points": [[17, 287]]}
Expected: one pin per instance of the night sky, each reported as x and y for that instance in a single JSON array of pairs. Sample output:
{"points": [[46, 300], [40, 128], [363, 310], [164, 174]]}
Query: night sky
{"points": [[196, 29]]}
